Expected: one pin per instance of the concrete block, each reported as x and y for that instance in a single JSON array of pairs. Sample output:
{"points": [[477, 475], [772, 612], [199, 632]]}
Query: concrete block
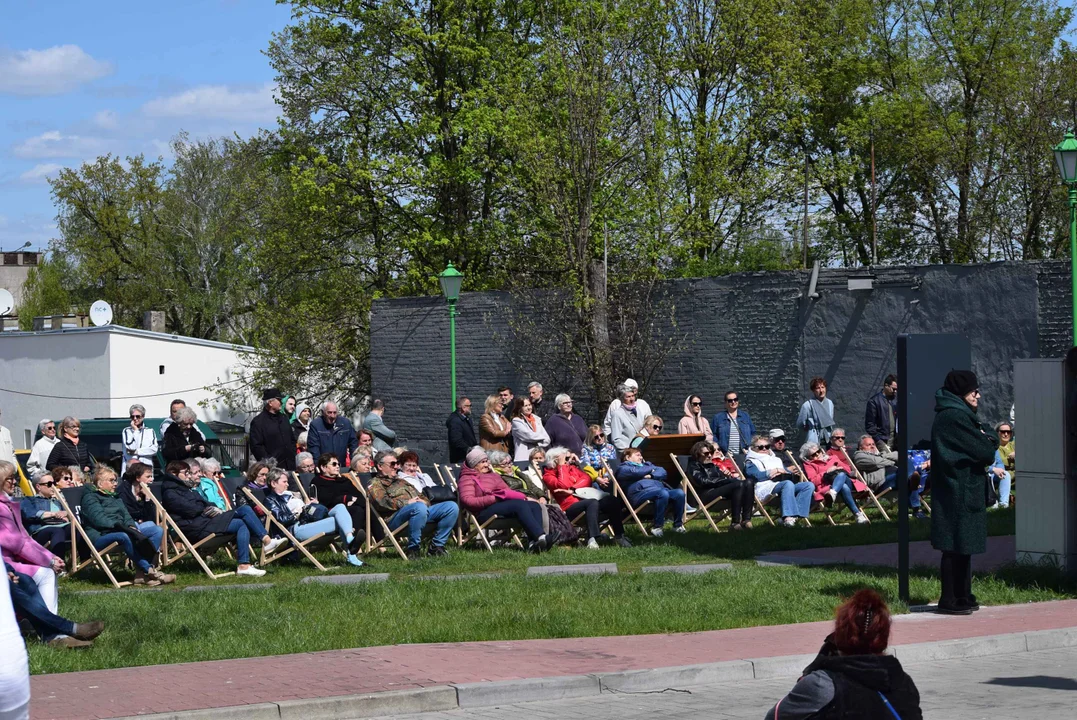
{"points": [[472, 576], [962, 648], [247, 586], [259, 711], [778, 560], [394, 702], [687, 569], [510, 692], [595, 569], [676, 677], [346, 579], [786, 666], [1051, 639]]}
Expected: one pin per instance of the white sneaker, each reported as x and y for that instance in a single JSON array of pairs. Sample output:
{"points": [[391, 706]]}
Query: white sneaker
{"points": [[789, 522], [656, 532], [592, 544], [274, 544], [689, 509], [833, 494], [680, 529], [251, 572], [862, 519]]}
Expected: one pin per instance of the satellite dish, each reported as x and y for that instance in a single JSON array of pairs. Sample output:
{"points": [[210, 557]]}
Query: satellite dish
{"points": [[100, 313], [7, 302]]}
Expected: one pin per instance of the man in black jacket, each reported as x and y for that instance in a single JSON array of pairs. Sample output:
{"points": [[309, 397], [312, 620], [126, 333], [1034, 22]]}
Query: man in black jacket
{"points": [[880, 416], [461, 432], [271, 433]]}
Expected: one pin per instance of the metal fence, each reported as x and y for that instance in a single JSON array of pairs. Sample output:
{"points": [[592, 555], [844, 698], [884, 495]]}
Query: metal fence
{"points": [[237, 450]]}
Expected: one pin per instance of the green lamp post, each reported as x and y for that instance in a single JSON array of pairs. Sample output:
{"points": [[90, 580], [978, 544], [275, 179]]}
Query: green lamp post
{"points": [[1066, 159], [451, 279]]}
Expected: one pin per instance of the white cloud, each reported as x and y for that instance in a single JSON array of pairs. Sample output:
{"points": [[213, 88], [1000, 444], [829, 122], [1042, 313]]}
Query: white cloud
{"points": [[106, 119], [39, 174], [54, 144], [53, 71], [217, 101]]}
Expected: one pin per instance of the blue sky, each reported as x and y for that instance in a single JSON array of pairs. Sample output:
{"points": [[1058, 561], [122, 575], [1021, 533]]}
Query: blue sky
{"points": [[81, 79]]}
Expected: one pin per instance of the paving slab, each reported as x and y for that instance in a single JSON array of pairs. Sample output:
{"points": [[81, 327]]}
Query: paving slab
{"points": [[509, 692], [472, 576], [346, 579], [369, 705], [595, 569], [687, 569], [228, 586]]}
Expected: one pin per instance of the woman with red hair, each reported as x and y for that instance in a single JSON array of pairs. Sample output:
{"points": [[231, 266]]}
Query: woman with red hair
{"points": [[851, 677]]}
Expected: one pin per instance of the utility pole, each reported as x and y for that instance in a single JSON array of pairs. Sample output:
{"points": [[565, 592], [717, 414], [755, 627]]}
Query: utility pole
{"points": [[874, 241], [805, 255]]}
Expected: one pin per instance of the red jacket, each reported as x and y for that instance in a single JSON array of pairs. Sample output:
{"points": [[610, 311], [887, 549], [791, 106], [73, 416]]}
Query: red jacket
{"points": [[478, 491], [562, 480], [816, 471]]}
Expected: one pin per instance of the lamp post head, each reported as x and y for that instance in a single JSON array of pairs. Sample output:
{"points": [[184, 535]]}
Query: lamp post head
{"points": [[451, 279], [1066, 158]]}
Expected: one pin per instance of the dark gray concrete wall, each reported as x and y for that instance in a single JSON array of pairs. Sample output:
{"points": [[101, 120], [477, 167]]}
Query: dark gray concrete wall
{"points": [[756, 333]]}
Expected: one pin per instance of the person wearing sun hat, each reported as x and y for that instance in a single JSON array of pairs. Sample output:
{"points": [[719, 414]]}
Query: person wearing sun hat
{"points": [[961, 449]]}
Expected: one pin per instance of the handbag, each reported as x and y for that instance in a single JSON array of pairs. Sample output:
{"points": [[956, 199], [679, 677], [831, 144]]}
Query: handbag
{"points": [[438, 494], [591, 493], [990, 493], [313, 513]]}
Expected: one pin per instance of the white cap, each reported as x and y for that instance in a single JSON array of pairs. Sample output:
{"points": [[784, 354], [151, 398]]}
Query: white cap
{"points": [[630, 383], [777, 433]]}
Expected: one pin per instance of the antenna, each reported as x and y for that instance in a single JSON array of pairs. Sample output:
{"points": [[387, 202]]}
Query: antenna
{"points": [[100, 313]]}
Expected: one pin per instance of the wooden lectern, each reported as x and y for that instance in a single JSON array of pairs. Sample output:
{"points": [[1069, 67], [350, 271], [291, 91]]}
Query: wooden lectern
{"points": [[657, 449]]}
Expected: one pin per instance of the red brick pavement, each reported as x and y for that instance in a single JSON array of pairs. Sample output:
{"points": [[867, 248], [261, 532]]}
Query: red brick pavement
{"points": [[1001, 550], [222, 683]]}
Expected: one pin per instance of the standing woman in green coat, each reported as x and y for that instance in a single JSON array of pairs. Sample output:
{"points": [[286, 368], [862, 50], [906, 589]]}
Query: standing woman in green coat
{"points": [[961, 449]]}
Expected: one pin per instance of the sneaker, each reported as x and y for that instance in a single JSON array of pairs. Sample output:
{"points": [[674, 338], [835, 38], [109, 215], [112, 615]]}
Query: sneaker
{"points": [[623, 541], [141, 579], [273, 544], [953, 609], [592, 544], [251, 572], [680, 529], [689, 509], [862, 519], [436, 551], [657, 532], [356, 544], [747, 525], [160, 577], [537, 546], [414, 553], [789, 521], [831, 496], [553, 539], [74, 643], [736, 526], [919, 515], [88, 630], [353, 559]]}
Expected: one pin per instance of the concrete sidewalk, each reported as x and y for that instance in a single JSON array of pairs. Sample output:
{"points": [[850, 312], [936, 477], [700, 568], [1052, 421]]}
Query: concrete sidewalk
{"points": [[288, 678]]}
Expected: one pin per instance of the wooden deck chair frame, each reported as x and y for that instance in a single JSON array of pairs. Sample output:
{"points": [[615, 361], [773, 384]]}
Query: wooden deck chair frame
{"points": [[97, 557], [869, 493], [293, 476], [458, 531], [760, 505], [319, 540], [701, 507], [475, 528], [634, 512], [580, 521], [804, 478], [389, 535], [209, 544]]}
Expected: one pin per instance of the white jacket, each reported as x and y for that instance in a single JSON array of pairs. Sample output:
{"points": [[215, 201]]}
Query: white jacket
{"points": [[527, 439], [141, 444], [39, 455], [7, 449], [641, 406]]}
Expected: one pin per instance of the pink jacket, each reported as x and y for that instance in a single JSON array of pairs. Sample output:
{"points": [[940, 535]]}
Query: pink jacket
{"points": [[478, 491], [692, 424], [21, 551]]}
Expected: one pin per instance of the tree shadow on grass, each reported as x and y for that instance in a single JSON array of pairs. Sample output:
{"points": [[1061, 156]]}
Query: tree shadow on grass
{"points": [[1047, 682]]}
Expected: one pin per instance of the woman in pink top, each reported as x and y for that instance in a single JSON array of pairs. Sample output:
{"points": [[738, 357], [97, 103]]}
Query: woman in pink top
{"points": [[21, 551], [484, 494], [693, 422]]}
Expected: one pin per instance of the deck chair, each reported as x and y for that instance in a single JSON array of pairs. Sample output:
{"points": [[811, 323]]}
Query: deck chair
{"points": [[633, 512], [869, 493], [257, 499], [815, 506], [389, 536], [475, 529], [681, 462], [300, 483], [741, 460], [181, 546], [71, 501]]}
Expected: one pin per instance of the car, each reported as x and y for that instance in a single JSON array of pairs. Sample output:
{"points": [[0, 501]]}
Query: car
{"points": [[21, 458], [102, 435]]}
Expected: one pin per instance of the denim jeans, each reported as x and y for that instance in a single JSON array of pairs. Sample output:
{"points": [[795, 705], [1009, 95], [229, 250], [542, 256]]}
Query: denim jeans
{"points": [[56, 537], [245, 525], [128, 547], [891, 484], [661, 496], [418, 515], [28, 602], [528, 513], [1003, 486], [152, 531], [795, 497], [339, 520], [844, 488]]}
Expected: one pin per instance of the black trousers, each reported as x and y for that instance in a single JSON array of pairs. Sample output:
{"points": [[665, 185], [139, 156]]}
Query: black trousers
{"points": [[528, 513], [741, 494], [609, 506], [956, 573]]}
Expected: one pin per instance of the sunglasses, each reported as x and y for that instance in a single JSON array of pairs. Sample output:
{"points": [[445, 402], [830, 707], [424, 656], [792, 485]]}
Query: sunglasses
{"points": [[1005, 432], [391, 464], [50, 428], [334, 463], [136, 417], [732, 400], [656, 426], [762, 447], [696, 404], [50, 483], [837, 437]]}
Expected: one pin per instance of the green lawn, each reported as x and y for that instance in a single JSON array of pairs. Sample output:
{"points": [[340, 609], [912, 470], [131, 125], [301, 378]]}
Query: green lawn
{"points": [[167, 626]]}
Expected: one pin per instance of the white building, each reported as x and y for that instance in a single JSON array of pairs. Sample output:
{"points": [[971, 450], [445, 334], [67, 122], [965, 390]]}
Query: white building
{"points": [[101, 371]]}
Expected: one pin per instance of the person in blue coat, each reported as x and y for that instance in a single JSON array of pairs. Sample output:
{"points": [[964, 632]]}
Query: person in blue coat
{"points": [[330, 433], [732, 428], [642, 481]]}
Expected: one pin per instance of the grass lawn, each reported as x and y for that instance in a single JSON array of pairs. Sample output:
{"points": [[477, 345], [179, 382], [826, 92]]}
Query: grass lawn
{"points": [[166, 626]]}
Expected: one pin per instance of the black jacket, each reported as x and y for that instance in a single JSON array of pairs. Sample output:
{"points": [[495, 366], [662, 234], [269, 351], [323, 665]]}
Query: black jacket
{"points": [[877, 418], [461, 436], [176, 442], [707, 476], [141, 510], [271, 437], [185, 506], [298, 429], [67, 453]]}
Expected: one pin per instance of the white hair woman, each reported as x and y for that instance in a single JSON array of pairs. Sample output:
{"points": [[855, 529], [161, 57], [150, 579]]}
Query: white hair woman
{"points": [[565, 427], [139, 441], [39, 455], [182, 439]]}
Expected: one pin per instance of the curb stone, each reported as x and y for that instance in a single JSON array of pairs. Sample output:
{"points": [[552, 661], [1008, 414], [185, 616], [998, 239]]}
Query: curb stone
{"points": [[510, 692], [346, 579], [230, 586], [686, 569], [475, 576], [595, 569]]}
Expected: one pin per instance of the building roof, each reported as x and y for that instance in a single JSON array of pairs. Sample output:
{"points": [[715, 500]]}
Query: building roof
{"points": [[136, 332]]}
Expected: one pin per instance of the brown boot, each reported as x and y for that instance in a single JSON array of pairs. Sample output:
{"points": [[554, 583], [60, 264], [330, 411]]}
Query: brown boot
{"points": [[73, 643], [162, 578], [146, 579], [88, 630]]}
